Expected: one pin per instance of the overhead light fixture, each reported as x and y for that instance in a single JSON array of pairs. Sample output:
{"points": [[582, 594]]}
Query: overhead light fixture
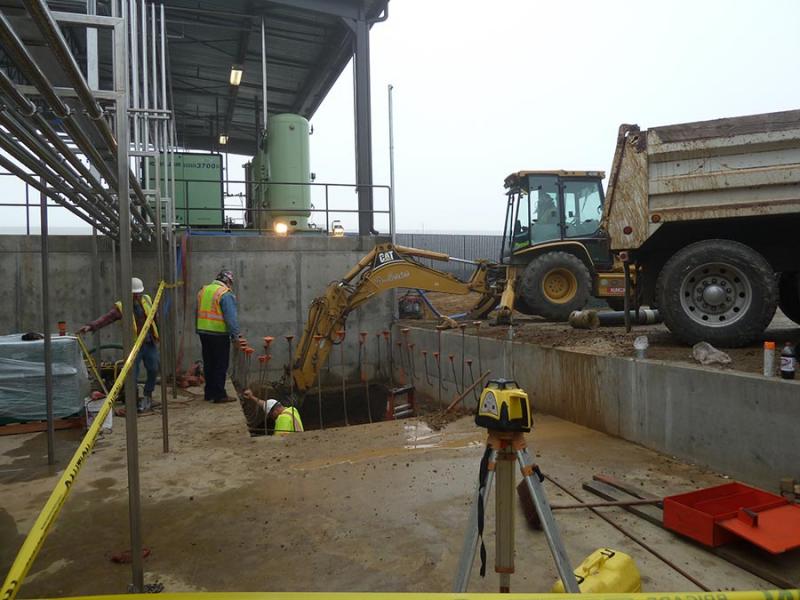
{"points": [[236, 75], [223, 139]]}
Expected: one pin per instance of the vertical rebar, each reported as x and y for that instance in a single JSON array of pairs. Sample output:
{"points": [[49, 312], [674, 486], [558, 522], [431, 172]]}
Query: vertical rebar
{"points": [[317, 339], [379, 368], [478, 342], [48, 354], [341, 335], [363, 368], [463, 327], [438, 356], [387, 337], [289, 339]]}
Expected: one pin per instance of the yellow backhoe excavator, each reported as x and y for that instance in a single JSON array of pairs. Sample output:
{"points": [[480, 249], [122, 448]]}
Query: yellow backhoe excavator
{"points": [[388, 267]]}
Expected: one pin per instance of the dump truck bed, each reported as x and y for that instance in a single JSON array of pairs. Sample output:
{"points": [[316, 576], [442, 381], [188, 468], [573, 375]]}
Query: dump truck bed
{"points": [[725, 168]]}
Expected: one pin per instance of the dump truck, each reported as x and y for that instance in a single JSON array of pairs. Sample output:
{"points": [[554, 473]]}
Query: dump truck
{"points": [[705, 217]]}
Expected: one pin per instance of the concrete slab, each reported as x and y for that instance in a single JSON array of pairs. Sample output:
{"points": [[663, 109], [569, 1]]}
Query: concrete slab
{"points": [[366, 508]]}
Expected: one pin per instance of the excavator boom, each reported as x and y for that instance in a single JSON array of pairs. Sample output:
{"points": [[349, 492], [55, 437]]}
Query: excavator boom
{"points": [[386, 267]]}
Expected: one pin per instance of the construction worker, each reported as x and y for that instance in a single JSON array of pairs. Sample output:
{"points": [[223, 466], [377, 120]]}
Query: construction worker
{"points": [[148, 354], [286, 420], [217, 323]]}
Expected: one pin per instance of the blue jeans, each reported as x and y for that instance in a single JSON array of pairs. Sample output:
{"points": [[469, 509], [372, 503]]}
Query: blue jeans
{"points": [[149, 356]]}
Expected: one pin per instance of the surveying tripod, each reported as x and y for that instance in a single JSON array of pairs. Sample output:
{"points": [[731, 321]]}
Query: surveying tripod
{"points": [[503, 449]]}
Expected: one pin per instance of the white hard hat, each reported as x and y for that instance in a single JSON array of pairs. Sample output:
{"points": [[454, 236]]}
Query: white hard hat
{"points": [[271, 404], [137, 287]]}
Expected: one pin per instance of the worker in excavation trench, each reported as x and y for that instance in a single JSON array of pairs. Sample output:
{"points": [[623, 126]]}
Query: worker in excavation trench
{"points": [[148, 354], [284, 420]]}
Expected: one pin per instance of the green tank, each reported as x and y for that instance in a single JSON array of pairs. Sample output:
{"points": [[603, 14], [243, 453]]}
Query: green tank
{"points": [[283, 158]]}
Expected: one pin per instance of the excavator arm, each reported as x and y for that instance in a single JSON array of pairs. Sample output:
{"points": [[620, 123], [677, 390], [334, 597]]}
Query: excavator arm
{"points": [[386, 267]]}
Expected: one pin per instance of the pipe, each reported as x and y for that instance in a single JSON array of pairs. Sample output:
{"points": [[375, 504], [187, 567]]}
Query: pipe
{"points": [[12, 167], [52, 34], [30, 162], [42, 155], [592, 319], [16, 50], [263, 73], [123, 194], [32, 140], [48, 353], [170, 138]]}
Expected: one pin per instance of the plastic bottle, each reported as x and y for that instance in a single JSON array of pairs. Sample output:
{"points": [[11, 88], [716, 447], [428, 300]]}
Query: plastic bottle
{"points": [[769, 359], [788, 361]]}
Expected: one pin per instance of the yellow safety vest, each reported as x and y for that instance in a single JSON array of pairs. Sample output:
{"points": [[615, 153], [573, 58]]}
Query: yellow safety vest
{"points": [[147, 305], [286, 424], [209, 311]]}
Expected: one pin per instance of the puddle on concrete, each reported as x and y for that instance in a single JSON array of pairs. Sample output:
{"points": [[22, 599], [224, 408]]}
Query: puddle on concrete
{"points": [[418, 438]]}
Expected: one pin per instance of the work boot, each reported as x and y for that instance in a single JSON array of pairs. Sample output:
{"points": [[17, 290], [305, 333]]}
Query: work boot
{"points": [[145, 404]]}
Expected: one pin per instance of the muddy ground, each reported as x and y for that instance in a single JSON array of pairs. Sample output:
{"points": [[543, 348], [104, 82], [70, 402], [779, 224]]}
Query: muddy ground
{"points": [[378, 507], [614, 341]]}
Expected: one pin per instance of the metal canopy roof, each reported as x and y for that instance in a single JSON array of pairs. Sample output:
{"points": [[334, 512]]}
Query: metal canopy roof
{"points": [[309, 42]]}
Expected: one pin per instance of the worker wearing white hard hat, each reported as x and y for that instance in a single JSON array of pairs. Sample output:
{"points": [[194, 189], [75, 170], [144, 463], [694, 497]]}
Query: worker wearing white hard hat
{"points": [[148, 354], [285, 420]]}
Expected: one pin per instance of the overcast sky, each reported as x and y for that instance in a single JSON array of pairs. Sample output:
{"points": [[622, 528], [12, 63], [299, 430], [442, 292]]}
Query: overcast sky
{"points": [[483, 89]]}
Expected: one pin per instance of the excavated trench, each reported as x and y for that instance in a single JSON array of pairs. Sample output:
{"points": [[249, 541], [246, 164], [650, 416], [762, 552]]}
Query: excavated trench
{"points": [[355, 406]]}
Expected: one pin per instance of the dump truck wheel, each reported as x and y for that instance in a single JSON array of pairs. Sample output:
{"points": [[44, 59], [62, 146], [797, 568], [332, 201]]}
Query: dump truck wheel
{"points": [[789, 293], [717, 291], [555, 284]]}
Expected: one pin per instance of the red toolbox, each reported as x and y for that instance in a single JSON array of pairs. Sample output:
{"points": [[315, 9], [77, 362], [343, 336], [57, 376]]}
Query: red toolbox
{"points": [[721, 514]]}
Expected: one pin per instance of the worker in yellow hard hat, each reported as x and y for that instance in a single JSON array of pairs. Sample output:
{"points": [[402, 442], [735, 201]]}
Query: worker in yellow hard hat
{"points": [[285, 420], [148, 354]]}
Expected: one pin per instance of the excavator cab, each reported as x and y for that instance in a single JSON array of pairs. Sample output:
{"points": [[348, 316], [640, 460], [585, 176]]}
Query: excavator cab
{"points": [[553, 240]]}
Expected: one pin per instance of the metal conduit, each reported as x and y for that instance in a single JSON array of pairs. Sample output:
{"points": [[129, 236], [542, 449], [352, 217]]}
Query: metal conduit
{"points": [[48, 158], [29, 136], [11, 167], [19, 54]]}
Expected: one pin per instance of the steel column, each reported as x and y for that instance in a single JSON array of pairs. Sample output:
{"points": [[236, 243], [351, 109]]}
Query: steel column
{"points": [[363, 126], [123, 194]]}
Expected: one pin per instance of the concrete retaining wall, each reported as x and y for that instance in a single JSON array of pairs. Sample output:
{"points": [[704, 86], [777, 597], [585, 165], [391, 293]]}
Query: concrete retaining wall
{"points": [[740, 424], [277, 278]]}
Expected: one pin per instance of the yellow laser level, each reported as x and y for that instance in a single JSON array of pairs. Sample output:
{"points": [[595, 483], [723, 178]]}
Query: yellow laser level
{"points": [[504, 407]]}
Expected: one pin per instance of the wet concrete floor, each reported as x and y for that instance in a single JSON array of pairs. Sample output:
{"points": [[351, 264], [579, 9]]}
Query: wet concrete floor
{"points": [[378, 507]]}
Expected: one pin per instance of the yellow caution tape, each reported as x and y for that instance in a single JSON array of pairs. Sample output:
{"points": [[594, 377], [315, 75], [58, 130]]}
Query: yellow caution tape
{"points": [[41, 527], [759, 595]]}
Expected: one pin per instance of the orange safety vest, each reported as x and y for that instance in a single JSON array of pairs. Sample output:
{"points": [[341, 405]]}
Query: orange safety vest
{"points": [[209, 311], [147, 305]]}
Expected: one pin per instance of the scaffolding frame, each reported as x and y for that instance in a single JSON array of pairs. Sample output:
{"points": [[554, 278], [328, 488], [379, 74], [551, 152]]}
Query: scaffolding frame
{"points": [[99, 183]]}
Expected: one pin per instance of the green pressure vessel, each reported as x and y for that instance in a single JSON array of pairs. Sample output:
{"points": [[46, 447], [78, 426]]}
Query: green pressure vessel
{"points": [[288, 157]]}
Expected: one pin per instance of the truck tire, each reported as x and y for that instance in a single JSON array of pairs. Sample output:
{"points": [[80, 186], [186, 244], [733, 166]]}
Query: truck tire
{"points": [[717, 291], [521, 306], [789, 294], [555, 284]]}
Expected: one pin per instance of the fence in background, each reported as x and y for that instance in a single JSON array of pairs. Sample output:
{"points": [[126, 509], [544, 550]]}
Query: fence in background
{"points": [[470, 247]]}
